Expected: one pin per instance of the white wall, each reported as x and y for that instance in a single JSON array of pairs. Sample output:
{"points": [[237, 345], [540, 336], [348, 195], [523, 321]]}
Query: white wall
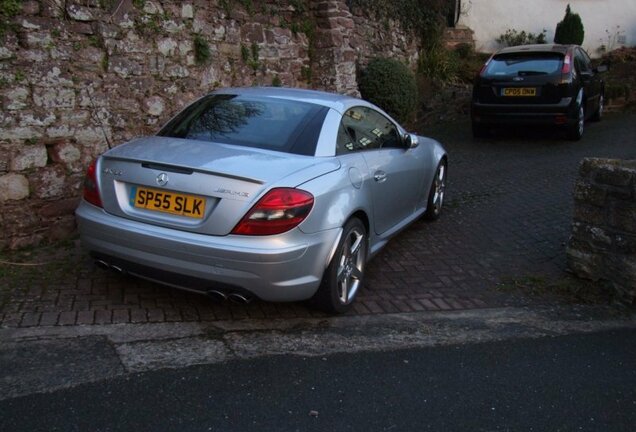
{"points": [[491, 18]]}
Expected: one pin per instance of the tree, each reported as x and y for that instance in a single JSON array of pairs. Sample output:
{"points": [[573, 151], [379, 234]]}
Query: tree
{"points": [[570, 30]]}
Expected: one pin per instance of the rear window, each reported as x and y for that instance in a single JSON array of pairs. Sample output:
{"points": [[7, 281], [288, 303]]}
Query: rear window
{"points": [[524, 64], [260, 122]]}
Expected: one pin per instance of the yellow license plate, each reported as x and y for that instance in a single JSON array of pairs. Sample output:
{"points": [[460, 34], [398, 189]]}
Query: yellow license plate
{"points": [[168, 202], [519, 91]]}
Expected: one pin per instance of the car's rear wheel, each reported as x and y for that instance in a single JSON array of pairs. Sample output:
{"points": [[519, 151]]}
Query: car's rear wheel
{"points": [[575, 132], [344, 276], [598, 115], [436, 193]]}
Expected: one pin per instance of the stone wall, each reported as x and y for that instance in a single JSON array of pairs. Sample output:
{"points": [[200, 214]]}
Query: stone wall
{"points": [[454, 36], [377, 37], [78, 77], [603, 242]]}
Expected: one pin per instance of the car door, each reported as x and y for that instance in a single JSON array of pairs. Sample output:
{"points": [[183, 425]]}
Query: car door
{"points": [[589, 79], [395, 172]]}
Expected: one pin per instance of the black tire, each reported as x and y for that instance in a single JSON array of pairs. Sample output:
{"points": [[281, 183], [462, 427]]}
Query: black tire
{"points": [[480, 130], [344, 277], [575, 131], [436, 193], [598, 115]]}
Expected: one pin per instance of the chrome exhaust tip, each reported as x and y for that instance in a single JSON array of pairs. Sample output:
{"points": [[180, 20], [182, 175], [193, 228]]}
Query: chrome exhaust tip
{"points": [[239, 298], [118, 269], [102, 264], [215, 295]]}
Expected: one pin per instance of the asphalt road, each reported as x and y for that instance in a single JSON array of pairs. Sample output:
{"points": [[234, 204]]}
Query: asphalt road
{"points": [[584, 382]]}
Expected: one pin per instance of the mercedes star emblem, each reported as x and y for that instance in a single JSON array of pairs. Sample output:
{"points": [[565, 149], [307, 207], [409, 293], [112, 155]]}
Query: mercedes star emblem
{"points": [[162, 179]]}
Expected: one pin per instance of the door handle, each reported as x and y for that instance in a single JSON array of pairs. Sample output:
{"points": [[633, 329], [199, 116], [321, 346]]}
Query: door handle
{"points": [[379, 176]]}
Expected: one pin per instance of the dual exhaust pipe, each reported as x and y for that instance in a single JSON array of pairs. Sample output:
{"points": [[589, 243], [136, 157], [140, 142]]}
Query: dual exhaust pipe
{"points": [[233, 297], [215, 295], [107, 266]]}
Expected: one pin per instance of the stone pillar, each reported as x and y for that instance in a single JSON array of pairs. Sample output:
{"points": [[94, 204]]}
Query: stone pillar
{"points": [[333, 59], [603, 241]]}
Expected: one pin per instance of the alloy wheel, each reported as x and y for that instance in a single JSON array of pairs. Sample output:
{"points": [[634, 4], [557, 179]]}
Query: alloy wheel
{"points": [[440, 188], [598, 115], [581, 121], [351, 265]]}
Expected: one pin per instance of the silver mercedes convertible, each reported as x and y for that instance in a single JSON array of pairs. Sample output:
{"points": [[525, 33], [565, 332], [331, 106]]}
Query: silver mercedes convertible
{"points": [[269, 193]]}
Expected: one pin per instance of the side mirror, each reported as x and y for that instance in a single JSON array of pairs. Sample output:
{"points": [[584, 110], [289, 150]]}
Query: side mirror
{"points": [[411, 140], [603, 67]]}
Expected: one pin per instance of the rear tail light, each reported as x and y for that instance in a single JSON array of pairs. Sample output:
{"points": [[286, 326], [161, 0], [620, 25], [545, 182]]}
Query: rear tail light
{"points": [[567, 64], [484, 67], [280, 210], [91, 190], [566, 76]]}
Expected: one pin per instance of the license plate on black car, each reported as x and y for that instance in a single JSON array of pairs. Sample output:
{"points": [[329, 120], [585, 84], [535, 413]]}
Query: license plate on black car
{"points": [[519, 91]]}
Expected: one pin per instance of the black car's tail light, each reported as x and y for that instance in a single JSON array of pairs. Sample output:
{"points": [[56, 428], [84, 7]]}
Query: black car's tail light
{"points": [[484, 67], [280, 210], [567, 64], [566, 69], [91, 189]]}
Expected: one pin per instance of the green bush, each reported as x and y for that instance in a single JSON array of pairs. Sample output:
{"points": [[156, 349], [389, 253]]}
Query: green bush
{"points": [[202, 52], [438, 63], [470, 66], [389, 84], [513, 38], [8, 9], [464, 50], [245, 53], [570, 30]]}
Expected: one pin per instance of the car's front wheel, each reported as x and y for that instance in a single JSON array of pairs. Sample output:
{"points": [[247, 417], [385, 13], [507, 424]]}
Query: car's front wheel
{"points": [[575, 131], [344, 276], [598, 115]]}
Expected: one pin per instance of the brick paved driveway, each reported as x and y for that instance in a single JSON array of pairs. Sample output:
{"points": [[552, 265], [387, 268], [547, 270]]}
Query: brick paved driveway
{"points": [[507, 216]]}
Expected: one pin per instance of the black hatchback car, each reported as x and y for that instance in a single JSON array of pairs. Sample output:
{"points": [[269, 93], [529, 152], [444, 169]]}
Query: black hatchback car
{"points": [[538, 85]]}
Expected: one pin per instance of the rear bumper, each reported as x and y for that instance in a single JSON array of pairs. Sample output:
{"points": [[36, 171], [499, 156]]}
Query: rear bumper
{"points": [[562, 113], [286, 267]]}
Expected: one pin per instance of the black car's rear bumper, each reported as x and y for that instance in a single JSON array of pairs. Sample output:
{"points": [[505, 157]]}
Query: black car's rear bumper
{"points": [[560, 113]]}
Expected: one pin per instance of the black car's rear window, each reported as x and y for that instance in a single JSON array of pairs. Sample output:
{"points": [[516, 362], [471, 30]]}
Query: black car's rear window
{"points": [[523, 64], [261, 122]]}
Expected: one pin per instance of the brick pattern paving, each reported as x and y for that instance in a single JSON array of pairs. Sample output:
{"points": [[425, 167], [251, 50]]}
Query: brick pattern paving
{"points": [[507, 215]]}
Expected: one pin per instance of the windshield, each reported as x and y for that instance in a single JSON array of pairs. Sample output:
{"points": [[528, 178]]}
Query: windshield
{"points": [[525, 64], [261, 122]]}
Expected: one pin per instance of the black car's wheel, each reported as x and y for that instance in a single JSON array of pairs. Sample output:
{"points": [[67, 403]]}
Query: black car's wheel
{"points": [[598, 115], [436, 193], [575, 131], [344, 276], [479, 130]]}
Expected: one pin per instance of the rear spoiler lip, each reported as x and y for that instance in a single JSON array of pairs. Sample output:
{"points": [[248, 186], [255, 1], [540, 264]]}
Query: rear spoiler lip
{"points": [[182, 170]]}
